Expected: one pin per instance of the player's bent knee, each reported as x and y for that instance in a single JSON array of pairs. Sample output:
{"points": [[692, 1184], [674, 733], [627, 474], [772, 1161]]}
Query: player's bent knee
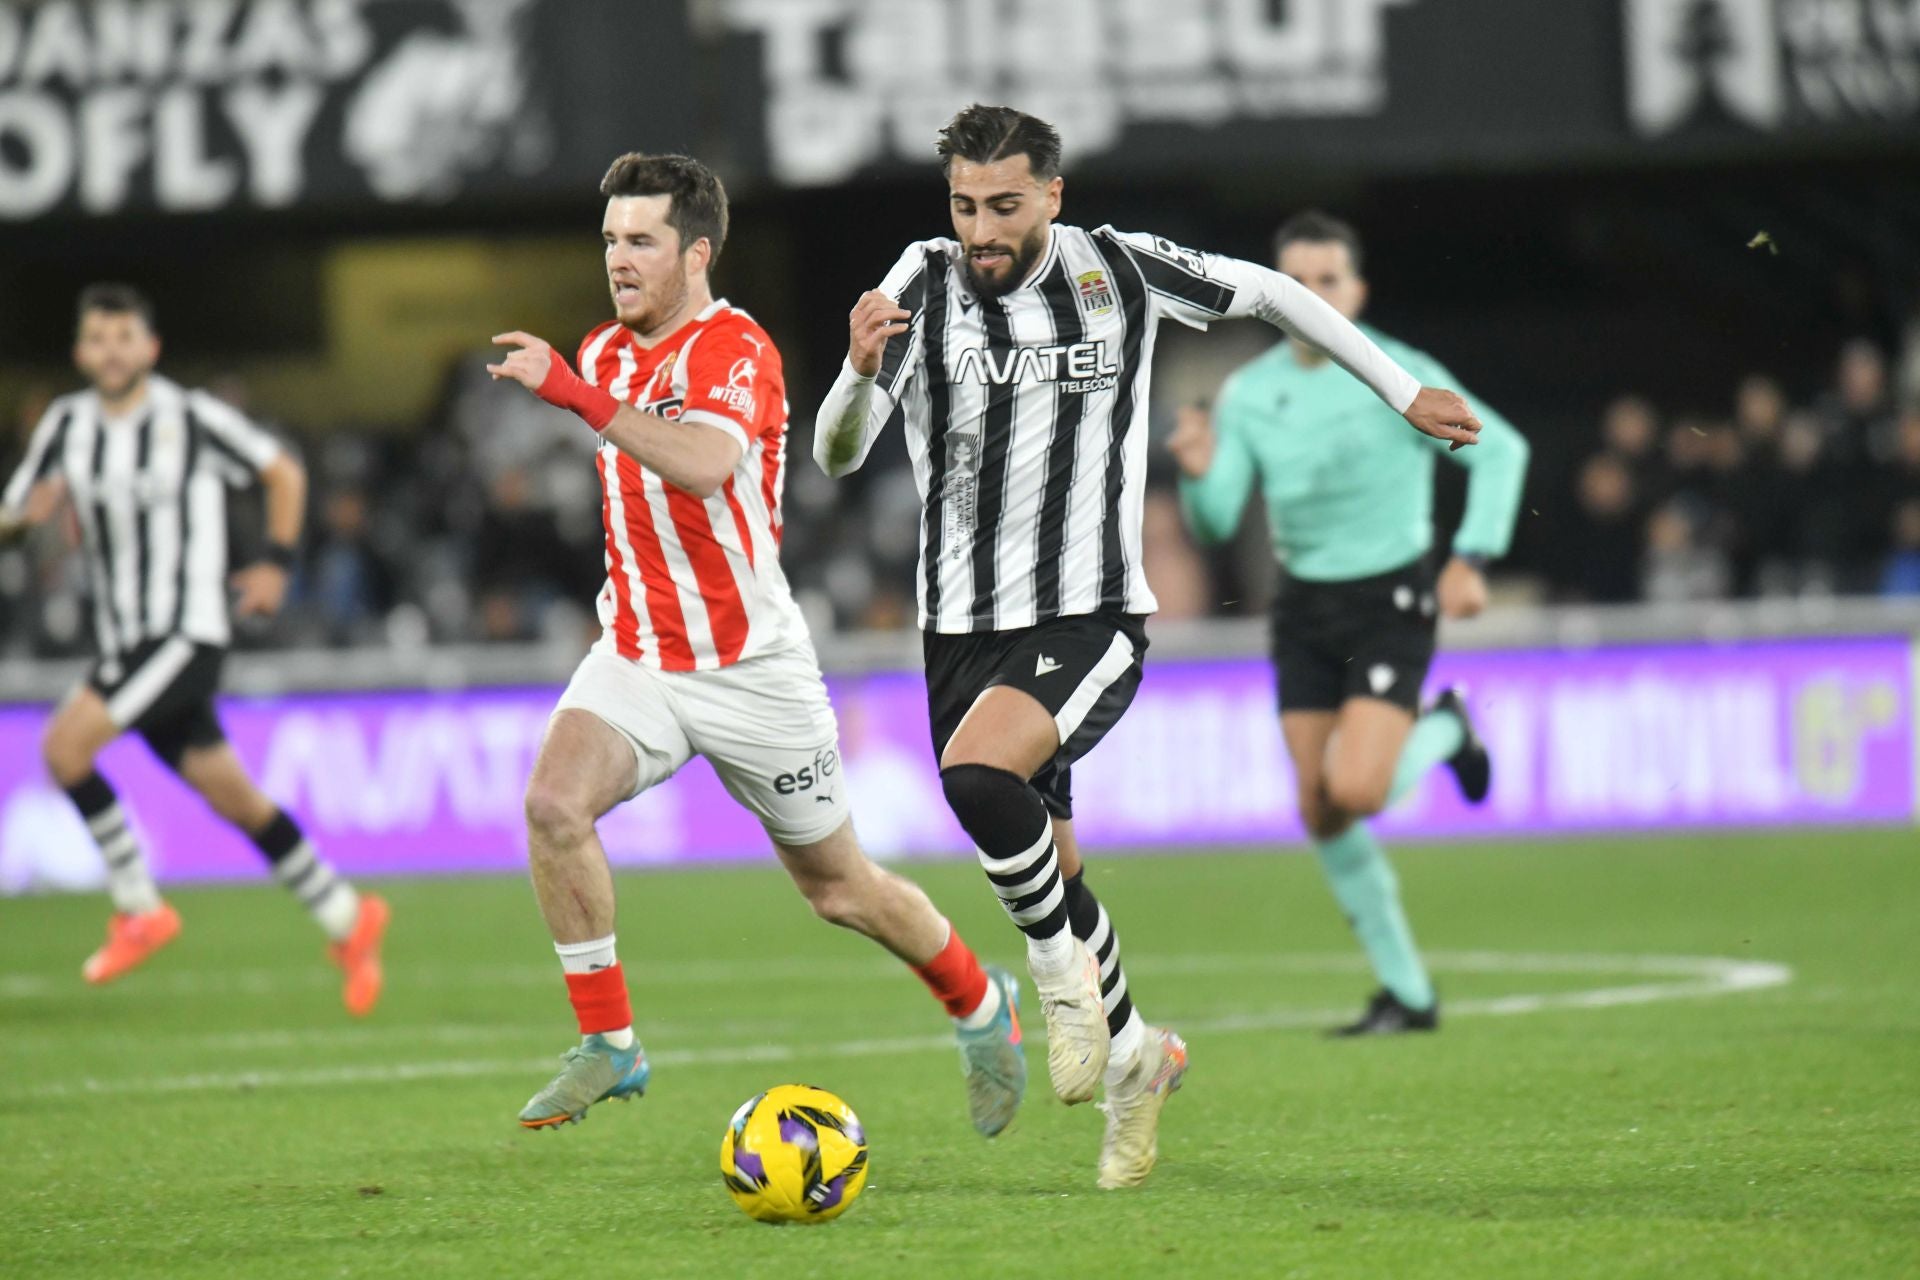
{"points": [[65, 756], [1357, 797], [555, 815], [977, 793]]}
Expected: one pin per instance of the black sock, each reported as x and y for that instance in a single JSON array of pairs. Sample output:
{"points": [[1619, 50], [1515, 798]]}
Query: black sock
{"points": [[1009, 824], [328, 898], [278, 839], [1091, 926]]}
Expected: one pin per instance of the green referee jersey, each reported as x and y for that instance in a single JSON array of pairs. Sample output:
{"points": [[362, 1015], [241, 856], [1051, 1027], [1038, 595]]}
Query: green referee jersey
{"points": [[1348, 483]]}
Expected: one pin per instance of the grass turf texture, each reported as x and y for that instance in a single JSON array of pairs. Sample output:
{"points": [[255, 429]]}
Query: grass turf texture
{"points": [[1768, 1133]]}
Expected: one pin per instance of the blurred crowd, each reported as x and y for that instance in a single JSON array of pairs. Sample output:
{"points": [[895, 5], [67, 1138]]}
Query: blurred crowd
{"points": [[485, 525], [1770, 499]]}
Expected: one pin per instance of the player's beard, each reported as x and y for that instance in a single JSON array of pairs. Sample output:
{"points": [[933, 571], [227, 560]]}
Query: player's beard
{"points": [[657, 306], [115, 387], [1024, 255]]}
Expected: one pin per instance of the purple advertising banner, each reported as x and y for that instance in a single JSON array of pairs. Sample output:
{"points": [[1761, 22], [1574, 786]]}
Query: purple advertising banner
{"points": [[1645, 737]]}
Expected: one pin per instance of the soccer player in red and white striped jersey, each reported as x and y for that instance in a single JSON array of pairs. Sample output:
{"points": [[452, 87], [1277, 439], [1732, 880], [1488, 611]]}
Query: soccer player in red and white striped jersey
{"points": [[695, 583], [702, 649]]}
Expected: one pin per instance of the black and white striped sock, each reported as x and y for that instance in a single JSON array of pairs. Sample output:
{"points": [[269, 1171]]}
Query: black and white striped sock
{"points": [[1093, 927], [1014, 835], [298, 867], [129, 881]]}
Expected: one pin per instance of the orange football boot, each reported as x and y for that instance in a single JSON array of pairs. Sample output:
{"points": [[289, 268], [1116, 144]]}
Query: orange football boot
{"points": [[359, 956], [130, 940]]}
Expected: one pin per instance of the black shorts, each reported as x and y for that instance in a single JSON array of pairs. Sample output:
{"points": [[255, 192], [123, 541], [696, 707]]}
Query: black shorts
{"points": [[1364, 638], [164, 689], [1084, 670]]}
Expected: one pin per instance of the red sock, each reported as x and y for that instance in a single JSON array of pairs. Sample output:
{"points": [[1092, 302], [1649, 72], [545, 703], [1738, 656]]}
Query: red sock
{"points": [[600, 1000], [955, 977]]}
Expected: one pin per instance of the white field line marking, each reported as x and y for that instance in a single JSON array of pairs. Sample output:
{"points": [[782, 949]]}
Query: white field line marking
{"points": [[1691, 977], [644, 974]]}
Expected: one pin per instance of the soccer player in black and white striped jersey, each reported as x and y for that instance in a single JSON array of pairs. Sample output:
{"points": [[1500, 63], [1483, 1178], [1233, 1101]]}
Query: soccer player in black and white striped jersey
{"points": [[146, 466], [1016, 356]]}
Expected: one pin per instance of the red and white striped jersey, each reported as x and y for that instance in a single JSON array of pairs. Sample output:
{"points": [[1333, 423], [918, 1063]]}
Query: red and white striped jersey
{"points": [[696, 584]]}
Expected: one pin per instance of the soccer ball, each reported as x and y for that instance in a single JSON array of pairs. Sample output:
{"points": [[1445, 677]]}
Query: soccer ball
{"points": [[794, 1154]]}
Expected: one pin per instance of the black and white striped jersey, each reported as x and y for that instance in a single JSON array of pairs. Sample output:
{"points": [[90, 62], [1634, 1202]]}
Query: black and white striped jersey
{"points": [[1026, 415], [150, 494]]}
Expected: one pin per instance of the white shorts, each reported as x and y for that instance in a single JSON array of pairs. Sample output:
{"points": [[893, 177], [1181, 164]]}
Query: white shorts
{"points": [[764, 724]]}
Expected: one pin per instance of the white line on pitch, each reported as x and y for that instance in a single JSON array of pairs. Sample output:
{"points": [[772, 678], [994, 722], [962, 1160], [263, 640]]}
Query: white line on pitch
{"points": [[644, 973], [1706, 976]]}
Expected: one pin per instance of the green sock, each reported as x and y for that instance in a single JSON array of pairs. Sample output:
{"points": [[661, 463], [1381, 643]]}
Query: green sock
{"points": [[1435, 737], [1369, 892]]}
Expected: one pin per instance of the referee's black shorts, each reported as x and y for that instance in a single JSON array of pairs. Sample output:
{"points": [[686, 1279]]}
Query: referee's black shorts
{"points": [[1362, 638], [164, 689], [1083, 669]]}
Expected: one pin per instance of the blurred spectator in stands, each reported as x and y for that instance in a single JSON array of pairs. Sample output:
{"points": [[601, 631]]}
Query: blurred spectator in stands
{"points": [[1897, 482], [1901, 576], [1630, 430], [1817, 511], [345, 590], [1857, 414], [519, 560], [1901, 475], [1753, 490], [1681, 563], [1600, 559], [1759, 411], [1689, 469], [1907, 377]]}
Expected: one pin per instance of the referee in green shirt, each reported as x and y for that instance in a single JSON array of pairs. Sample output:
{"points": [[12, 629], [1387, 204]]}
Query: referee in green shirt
{"points": [[1349, 493]]}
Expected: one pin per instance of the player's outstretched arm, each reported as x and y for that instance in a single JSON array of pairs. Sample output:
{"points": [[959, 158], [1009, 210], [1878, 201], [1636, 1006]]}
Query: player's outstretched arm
{"points": [[689, 456], [847, 421], [1287, 304], [1197, 287]]}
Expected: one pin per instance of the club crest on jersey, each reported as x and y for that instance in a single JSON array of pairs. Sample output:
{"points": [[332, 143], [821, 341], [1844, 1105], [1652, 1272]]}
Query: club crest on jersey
{"points": [[662, 382], [1096, 296]]}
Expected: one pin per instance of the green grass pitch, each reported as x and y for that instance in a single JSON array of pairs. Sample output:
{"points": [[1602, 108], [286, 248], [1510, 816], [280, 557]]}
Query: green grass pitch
{"points": [[218, 1115]]}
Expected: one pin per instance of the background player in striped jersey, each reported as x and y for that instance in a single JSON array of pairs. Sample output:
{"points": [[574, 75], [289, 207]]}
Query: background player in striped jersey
{"points": [[703, 650], [146, 466], [1017, 355], [1354, 619]]}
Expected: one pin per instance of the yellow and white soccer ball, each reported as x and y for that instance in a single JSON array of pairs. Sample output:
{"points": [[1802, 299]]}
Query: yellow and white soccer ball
{"points": [[794, 1154]]}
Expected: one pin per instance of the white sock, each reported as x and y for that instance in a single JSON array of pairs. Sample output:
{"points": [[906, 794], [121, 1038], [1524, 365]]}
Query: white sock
{"points": [[1050, 957], [129, 882], [330, 900], [621, 1039], [1127, 1044], [989, 1009], [585, 957]]}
